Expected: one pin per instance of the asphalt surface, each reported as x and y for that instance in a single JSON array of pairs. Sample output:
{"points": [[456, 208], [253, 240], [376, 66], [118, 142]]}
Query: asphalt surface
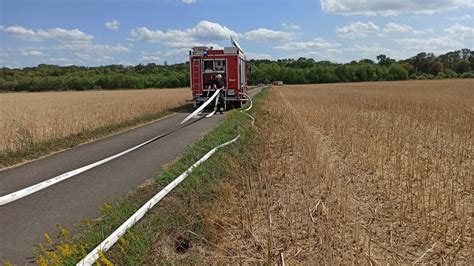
{"points": [[23, 222]]}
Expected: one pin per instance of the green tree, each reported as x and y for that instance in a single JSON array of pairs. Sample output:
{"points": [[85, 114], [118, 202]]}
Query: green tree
{"points": [[397, 72], [384, 60]]}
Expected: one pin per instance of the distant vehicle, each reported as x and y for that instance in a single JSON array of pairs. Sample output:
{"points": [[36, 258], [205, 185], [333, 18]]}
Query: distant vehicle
{"points": [[207, 63], [277, 83]]}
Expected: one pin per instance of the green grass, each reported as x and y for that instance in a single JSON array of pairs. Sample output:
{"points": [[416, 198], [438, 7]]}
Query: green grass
{"points": [[178, 214], [34, 150]]}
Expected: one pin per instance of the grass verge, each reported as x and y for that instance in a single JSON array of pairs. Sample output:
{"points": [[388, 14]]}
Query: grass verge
{"points": [[174, 230], [34, 150]]}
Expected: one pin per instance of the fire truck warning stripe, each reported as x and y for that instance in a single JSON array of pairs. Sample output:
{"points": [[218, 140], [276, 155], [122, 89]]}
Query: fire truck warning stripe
{"points": [[42, 185]]}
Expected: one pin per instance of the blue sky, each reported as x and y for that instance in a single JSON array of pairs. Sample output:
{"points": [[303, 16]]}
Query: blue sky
{"points": [[102, 32]]}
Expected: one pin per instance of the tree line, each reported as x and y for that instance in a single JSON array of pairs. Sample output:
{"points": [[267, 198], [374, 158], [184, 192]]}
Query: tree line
{"points": [[422, 66], [303, 70], [51, 77]]}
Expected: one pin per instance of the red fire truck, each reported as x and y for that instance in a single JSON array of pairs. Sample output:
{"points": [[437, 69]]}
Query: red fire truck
{"points": [[206, 63]]}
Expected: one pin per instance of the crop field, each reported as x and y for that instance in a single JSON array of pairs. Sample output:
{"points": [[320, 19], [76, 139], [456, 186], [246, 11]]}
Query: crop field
{"points": [[357, 173], [31, 117]]}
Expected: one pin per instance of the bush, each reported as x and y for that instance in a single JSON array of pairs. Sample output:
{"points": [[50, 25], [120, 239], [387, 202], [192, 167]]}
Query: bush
{"points": [[397, 72], [468, 75], [441, 75], [450, 73], [425, 76]]}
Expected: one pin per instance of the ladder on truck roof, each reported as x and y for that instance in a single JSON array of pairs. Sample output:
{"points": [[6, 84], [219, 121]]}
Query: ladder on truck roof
{"points": [[197, 76]]}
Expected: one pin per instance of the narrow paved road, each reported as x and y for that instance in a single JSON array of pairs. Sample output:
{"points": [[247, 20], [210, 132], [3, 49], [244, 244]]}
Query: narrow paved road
{"points": [[23, 222]]}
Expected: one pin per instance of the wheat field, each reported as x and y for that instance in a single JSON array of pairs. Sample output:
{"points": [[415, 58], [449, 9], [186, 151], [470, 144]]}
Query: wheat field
{"points": [[358, 173], [33, 117]]}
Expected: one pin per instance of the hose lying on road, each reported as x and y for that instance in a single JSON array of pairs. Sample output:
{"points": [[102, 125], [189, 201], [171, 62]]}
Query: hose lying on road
{"points": [[191, 115], [114, 237], [42, 185]]}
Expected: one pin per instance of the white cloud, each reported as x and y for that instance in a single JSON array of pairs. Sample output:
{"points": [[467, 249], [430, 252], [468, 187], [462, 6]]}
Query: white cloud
{"points": [[83, 56], [211, 31], [160, 55], [181, 51], [32, 53], [98, 49], [125, 63], [204, 31], [334, 51], [357, 29], [78, 59], [262, 34], [361, 29], [251, 55], [150, 59], [372, 50], [434, 44], [60, 34], [391, 7], [72, 53], [290, 26], [60, 59], [188, 1], [395, 27], [105, 58], [317, 43], [465, 17], [112, 25], [458, 31], [13, 65], [422, 31]]}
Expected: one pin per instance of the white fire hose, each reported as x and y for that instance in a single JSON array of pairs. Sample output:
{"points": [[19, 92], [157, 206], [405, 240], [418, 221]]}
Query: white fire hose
{"points": [[42, 185], [120, 231]]}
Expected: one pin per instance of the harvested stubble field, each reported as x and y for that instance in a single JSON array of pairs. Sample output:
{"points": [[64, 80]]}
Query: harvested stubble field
{"points": [[359, 173], [28, 118]]}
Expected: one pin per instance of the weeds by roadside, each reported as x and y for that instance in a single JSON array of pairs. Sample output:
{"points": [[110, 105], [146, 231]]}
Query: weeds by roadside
{"points": [[175, 229]]}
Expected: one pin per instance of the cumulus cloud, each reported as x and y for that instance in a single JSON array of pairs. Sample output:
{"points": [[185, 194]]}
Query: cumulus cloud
{"points": [[204, 31], [60, 34], [188, 1], [391, 7], [112, 25], [317, 43], [395, 27], [459, 31], [262, 34], [357, 29]]}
